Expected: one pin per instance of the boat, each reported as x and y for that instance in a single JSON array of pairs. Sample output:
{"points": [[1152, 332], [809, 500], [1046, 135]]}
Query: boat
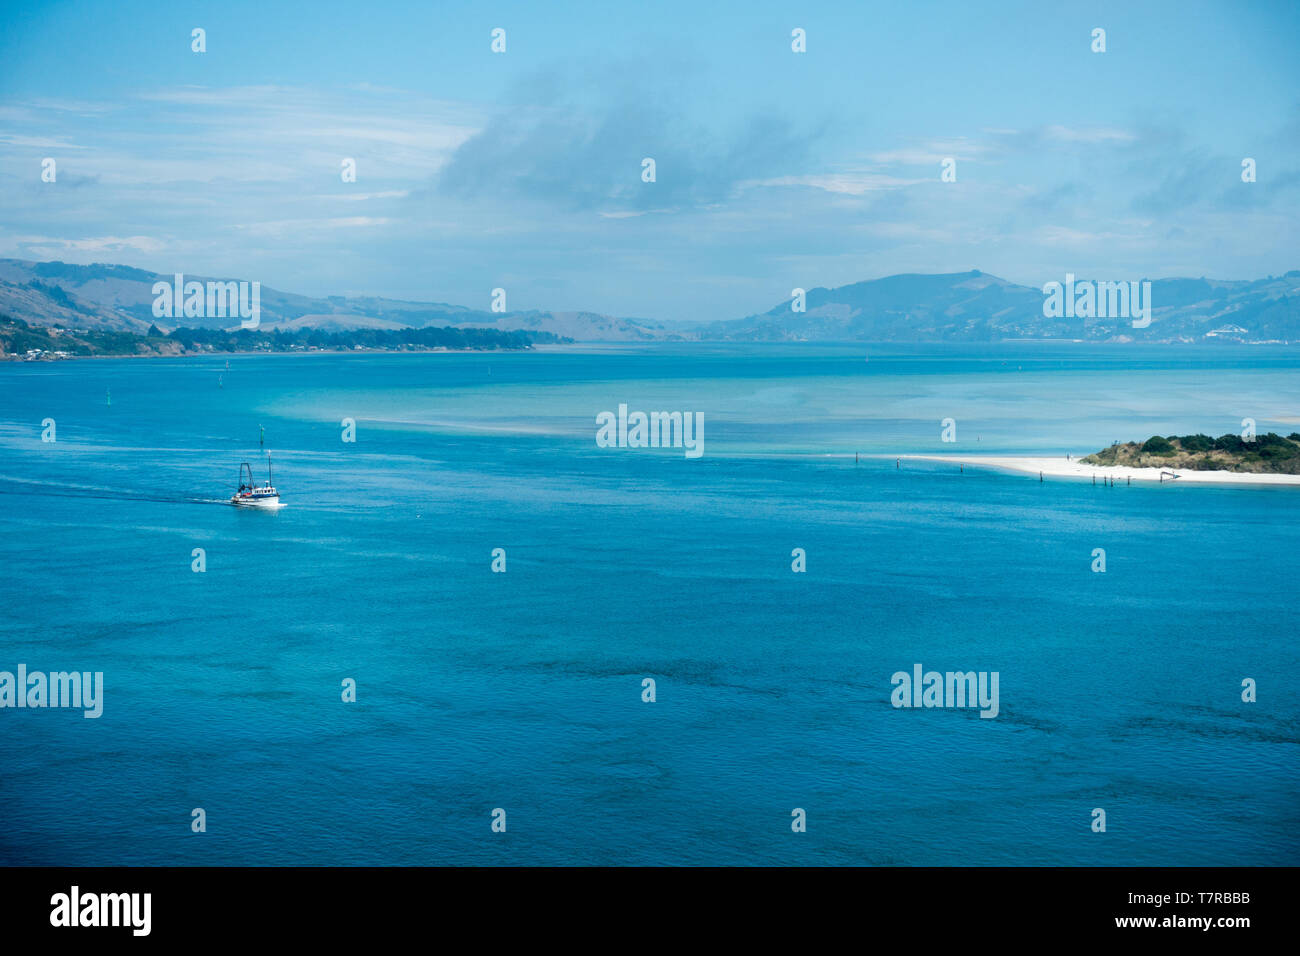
{"points": [[252, 495]]}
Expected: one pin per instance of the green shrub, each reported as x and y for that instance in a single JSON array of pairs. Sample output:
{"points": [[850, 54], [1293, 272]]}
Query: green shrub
{"points": [[1196, 442], [1229, 443], [1155, 445]]}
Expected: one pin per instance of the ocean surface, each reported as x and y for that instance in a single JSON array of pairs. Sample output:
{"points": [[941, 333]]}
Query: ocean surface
{"points": [[523, 690]]}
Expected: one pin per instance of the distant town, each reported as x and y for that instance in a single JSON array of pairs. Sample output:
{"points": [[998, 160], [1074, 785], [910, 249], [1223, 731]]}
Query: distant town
{"points": [[20, 341]]}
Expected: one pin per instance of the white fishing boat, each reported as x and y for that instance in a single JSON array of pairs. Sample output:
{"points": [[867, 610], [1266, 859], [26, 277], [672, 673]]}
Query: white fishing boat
{"points": [[252, 495]]}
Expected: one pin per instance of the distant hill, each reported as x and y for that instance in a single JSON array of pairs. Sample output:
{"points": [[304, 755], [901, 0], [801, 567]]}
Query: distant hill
{"points": [[103, 297], [978, 307], [954, 307]]}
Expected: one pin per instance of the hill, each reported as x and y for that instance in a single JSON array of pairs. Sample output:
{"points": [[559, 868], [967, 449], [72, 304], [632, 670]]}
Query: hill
{"points": [[104, 297], [978, 307], [1269, 453]]}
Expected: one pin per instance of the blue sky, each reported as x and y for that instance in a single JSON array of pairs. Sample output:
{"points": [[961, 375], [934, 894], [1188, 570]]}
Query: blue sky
{"points": [[522, 170]]}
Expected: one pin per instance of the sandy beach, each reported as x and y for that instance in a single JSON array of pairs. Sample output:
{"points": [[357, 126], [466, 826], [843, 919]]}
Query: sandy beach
{"points": [[1061, 467]]}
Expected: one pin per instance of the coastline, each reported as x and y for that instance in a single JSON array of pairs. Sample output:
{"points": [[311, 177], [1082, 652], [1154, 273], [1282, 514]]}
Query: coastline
{"points": [[20, 360], [1059, 467]]}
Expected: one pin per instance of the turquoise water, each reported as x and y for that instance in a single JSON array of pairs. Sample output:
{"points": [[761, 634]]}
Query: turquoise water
{"points": [[523, 690]]}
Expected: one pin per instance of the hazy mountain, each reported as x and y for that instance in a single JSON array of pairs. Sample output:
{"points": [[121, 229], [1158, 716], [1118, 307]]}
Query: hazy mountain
{"points": [[117, 297], [958, 307], [978, 307]]}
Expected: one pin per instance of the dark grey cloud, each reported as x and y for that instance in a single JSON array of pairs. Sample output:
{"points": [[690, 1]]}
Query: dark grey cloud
{"points": [[1064, 196], [578, 140], [1195, 180]]}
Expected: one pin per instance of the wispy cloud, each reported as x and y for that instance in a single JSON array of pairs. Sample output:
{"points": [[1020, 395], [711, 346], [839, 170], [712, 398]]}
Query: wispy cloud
{"points": [[933, 152], [1066, 134], [37, 142], [848, 182], [50, 245], [281, 227]]}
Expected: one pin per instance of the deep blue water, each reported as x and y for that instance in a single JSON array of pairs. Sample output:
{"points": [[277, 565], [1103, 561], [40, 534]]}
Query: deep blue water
{"points": [[523, 690]]}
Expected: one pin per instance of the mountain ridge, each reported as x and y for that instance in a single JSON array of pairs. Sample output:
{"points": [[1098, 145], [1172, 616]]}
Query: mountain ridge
{"points": [[977, 306], [108, 297], [971, 306]]}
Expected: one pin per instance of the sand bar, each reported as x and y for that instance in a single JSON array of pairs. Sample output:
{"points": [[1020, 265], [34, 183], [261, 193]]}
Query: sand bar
{"points": [[1061, 467]]}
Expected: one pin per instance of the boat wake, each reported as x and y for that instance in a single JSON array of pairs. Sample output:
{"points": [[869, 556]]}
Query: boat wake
{"points": [[49, 489]]}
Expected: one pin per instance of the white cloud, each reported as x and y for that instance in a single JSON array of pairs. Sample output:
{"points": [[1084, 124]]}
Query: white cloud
{"points": [[1093, 135], [932, 152], [37, 142], [308, 226], [850, 183], [93, 244], [361, 197]]}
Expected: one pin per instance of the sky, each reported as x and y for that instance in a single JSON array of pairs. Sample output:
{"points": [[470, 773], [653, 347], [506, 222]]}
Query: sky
{"points": [[523, 170]]}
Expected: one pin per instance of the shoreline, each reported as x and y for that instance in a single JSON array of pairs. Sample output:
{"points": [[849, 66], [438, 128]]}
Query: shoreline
{"points": [[1060, 467], [19, 360]]}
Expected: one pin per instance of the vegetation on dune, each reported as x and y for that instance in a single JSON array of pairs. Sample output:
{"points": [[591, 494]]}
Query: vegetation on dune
{"points": [[1271, 453], [1155, 445]]}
